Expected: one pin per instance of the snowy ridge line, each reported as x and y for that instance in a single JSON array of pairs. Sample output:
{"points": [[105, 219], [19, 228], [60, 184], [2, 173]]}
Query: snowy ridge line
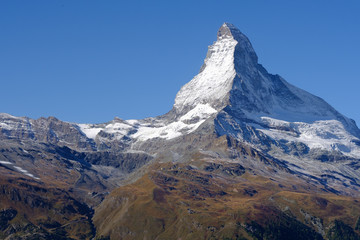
{"points": [[212, 85], [324, 134], [143, 131]]}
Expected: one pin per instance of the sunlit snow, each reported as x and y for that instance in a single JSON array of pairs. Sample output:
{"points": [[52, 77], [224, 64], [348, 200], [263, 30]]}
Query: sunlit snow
{"points": [[213, 84]]}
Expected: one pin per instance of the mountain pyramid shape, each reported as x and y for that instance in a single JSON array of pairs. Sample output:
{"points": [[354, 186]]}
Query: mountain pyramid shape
{"points": [[231, 76], [215, 80], [232, 81], [248, 103], [233, 96]]}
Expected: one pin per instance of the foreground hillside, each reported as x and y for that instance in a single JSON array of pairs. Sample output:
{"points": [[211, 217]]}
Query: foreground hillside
{"points": [[208, 199], [29, 210]]}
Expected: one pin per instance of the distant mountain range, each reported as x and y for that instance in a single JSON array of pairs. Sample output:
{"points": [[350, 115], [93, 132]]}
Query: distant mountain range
{"points": [[242, 154]]}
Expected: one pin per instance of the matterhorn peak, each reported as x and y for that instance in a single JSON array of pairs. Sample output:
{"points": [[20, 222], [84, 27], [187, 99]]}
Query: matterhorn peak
{"points": [[212, 84], [244, 48], [232, 82], [226, 30], [241, 99], [229, 56]]}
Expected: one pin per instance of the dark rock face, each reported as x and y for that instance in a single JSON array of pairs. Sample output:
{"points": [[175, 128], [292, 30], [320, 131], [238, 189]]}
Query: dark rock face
{"points": [[6, 216], [340, 230], [125, 162], [285, 228], [244, 52], [227, 169]]}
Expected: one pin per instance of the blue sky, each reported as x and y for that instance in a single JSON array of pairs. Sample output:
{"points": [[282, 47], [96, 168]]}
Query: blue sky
{"points": [[89, 61]]}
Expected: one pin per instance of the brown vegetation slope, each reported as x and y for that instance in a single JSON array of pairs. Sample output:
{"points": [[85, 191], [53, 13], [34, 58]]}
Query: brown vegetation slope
{"points": [[203, 199]]}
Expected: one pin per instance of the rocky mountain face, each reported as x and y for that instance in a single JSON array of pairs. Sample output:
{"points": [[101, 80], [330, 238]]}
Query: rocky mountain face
{"points": [[243, 154]]}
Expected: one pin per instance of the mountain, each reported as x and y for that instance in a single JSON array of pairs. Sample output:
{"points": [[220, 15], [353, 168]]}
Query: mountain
{"points": [[242, 154]]}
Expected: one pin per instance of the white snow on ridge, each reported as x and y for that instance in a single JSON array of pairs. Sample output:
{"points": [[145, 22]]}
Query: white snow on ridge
{"points": [[323, 134], [25, 172], [90, 130], [196, 116], [201, 111], [213, 84], [120, 128], [6, 115], [209, 88], [3, 125], [21, 169], [170, 131], [117, 128], [5, 162], [145, 131], [132, 122]]}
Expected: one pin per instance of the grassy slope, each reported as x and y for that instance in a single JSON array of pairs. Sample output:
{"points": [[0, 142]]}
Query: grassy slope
{"points": [[29, 210], [177, 202]]}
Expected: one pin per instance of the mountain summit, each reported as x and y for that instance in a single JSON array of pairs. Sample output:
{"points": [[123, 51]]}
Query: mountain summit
{"points": [[232, 76], [234, 84], [229, 30], [215, 80]]}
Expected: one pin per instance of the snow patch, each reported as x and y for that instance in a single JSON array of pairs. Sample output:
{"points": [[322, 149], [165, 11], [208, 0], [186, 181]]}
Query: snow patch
{"points": [[201, 111], [20, 169], [5, 162], [6, 115], [25, 172], [114, 127], [169, 131], [157, 129], [198, 114], [90, 130], [118, 128], [324, 134], [213, 84]]}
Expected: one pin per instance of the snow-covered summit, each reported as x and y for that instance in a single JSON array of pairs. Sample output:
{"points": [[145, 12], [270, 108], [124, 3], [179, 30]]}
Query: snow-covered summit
{"points": [[246, 96], [213, 83], [228, 30], [244, 99], [258, 103], [216, 78]]}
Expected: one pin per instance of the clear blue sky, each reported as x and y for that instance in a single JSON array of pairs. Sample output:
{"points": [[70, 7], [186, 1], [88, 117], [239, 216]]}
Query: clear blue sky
{"points": [[89, 61]]}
